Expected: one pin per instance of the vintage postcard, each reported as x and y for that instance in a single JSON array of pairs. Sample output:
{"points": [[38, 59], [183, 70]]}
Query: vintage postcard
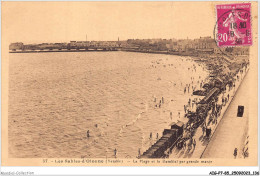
{"points": [[130, 83]]}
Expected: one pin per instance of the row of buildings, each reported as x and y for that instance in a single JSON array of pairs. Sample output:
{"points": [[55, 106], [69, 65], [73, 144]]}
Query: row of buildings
{"points": [[200, 45]]}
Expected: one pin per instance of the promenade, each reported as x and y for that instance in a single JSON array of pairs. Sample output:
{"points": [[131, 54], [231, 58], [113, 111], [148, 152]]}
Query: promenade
{"points": [[210, 147], [231, 132]]}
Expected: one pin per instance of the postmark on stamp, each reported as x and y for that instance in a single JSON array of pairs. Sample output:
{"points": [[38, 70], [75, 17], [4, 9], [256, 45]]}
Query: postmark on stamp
{"points": [[233, 27]]}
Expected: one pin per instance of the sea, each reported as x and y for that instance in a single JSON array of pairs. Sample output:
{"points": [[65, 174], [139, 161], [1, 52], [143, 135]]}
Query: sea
{"points": [[123, 100]]}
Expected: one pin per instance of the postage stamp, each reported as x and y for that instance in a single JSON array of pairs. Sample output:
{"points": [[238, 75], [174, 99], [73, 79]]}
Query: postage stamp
{"points": [[233, 26]]}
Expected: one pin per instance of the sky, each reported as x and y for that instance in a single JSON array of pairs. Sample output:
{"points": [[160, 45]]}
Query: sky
{"points": [[38, 22]]}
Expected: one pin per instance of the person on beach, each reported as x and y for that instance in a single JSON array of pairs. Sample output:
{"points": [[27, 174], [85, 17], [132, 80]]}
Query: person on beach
{"points": [[139, 152], [88, 134], [235, 153], [162, 100], [151, 135], [179, 114], [171, 115], [115, 151], [157, 136]]}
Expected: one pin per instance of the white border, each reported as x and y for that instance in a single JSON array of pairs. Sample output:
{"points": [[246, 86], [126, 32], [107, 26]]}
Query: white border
{"points": [[81, 170]]}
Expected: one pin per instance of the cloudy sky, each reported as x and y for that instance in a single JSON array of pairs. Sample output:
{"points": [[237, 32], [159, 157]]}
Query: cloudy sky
{"points": [[35, 22]]}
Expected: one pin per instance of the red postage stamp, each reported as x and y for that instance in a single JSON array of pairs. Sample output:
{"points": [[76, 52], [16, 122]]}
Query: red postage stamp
{"points": [[233, 26]]}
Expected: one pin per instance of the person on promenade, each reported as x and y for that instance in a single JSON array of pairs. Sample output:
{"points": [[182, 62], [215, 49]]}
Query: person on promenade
{"points": [[235, 153], [184, 145], [203, 130], [194, 144]]}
